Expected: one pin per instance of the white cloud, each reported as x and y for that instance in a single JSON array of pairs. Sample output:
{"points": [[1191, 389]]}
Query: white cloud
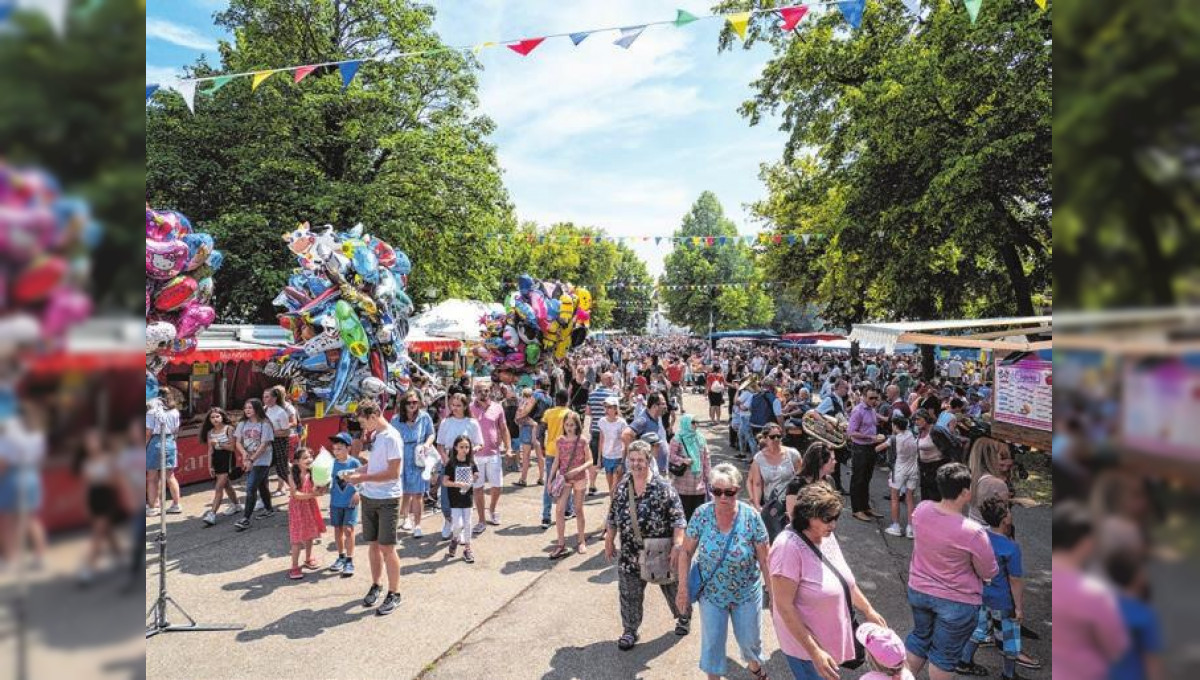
{"points": [[162, 75], [177, 34]]}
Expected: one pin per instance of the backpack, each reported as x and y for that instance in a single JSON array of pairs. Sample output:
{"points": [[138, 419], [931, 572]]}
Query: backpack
{"points": [[948, 443]]}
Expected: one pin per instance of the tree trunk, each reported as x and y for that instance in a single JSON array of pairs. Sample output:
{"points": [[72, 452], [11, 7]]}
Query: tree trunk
{"points": [[1020, 282], [854, 351], [928, 365]]}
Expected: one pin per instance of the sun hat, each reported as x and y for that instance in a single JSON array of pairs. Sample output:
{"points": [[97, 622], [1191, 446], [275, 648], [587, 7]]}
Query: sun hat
{"points": [[882, 644]]}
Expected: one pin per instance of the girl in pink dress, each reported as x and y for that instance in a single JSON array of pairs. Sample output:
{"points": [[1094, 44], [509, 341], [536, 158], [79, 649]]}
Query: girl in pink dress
{"points": [[305, 523]]}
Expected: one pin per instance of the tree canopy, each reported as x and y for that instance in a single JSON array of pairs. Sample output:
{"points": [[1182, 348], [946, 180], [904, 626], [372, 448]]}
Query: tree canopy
{"points": [[400, 150], [918, 161], [691, 265]]}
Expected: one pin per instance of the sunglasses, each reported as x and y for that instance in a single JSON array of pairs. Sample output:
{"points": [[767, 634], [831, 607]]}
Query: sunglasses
{"points": [[412, 403], [775, 436], [830, 519], [728, 493]]}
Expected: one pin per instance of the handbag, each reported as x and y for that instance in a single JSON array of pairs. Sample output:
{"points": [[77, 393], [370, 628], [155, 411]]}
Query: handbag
{"points": [[556, 486], [696, 578], [654, 561], [860, 654]]}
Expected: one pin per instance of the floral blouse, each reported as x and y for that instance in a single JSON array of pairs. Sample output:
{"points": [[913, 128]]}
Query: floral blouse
{"points": [[738, 580], [660, 513], [689, 483]]}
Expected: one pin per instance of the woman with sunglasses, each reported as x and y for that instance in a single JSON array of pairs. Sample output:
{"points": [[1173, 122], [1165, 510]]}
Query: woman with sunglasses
{"points": [[809, 608], [729, 541], [416, 430], [773, 467]]}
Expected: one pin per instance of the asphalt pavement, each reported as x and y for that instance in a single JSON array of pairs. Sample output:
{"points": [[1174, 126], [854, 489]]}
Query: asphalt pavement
{"points": [[514, 613]]}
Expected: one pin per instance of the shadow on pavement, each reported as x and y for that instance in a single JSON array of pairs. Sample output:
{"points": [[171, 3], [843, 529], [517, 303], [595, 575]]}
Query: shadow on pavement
{"points": [[569, 663], [308, 623]]}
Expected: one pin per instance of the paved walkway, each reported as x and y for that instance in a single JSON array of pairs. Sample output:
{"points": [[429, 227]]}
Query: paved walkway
{"points": [[512, 614]]}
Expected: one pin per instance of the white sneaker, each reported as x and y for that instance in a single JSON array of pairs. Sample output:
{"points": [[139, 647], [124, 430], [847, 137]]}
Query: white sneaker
{"points": [[408, 525], [893, 530], [174, 509], [210, 518], [152, 512], [258, 505], [417, 533], [231, 510], [495, 520], [908, 532], [445, 530]]}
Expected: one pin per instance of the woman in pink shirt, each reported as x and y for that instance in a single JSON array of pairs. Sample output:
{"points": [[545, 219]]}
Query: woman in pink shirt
{"points": [[808, 606], [952, 557]]}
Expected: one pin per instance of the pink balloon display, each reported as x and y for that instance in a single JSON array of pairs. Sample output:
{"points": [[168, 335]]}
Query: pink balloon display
{"points": [[65, 308], [193, 319], [165, 259]]}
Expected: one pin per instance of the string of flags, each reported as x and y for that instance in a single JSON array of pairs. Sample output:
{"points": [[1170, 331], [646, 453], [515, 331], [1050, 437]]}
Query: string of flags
{"points": [[788, 17], [698, 241], [688, 286]]}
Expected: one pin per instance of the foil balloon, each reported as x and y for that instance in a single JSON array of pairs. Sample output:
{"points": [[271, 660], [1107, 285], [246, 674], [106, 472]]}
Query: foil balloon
{"points": [[159, 335], [353, 336], [585, 299], [176, 293], [403, 265], [165, 259], [215, 259], [37, 281], [200, 246], [183, 345], [524, 284], [65, 308], [510, 337], [578, 337], [341, 377], [384, 254], [204, 290], [566, 309], [533, 353], [157, 227], [193, 319]]}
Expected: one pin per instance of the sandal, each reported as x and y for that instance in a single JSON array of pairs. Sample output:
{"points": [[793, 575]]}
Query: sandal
{"points": [[760, 674], [560, 552], [627, 641], [311, 564], [520, 483], [683, 625], [1029, 662], [970, 668]]}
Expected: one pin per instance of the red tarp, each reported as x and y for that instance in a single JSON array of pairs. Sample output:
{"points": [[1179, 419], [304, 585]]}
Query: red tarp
{"points": [[811, 337]]}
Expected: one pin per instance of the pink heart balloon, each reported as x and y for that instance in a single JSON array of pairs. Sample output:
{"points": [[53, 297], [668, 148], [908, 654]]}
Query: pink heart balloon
{"points": [[193, 319], [65, 308]]}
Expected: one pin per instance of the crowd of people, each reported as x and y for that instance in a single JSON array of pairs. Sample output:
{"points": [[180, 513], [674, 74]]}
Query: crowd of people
{"points": [[721, 539]]}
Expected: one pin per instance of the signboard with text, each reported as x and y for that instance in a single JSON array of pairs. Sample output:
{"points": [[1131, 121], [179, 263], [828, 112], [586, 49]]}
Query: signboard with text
{"points": [[1025, 393]]}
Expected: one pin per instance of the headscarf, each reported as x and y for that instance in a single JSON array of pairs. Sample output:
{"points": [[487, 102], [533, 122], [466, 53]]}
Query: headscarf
{"points": [[690, 439]]}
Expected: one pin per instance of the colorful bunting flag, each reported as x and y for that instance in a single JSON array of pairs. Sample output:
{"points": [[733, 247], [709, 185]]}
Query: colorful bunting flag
{"points": [[792, 16], [738, 23], [187, 90], [914, 7], [791, 239], [219, 82], [805, 238], [348, 69], [852, 11], [1041, 4], [577, 38], [259, 77], [708, 240], [524, 47], [973, 8], [628, 35], [684, 17], [302, 72]]}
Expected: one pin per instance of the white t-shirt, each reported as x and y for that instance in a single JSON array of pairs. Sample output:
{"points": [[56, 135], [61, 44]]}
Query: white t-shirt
{"points": [[450, 428], [906, 450], [278, 416], [954, 369], [170, 421], [20, 446], [614, 448], [386, 447]]}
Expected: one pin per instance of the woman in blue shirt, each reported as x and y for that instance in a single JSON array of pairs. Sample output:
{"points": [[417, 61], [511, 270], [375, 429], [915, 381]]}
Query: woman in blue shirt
{"points": [[415, 426], [732, 584]]}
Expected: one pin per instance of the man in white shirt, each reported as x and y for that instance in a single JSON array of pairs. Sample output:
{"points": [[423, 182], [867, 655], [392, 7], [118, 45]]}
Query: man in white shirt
{"points": [[380, 493], [954, 370]]}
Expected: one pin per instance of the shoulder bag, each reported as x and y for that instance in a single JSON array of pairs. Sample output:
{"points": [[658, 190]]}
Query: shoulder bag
{"points": [[695, 577], [654, 560], [860, 654], [774, 511]]}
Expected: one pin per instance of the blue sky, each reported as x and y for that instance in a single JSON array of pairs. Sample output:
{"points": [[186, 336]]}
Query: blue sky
{"points": [[595, 134]]}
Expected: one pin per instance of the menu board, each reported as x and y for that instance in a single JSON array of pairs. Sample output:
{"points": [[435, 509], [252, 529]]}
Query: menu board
{"points": [[1159, 408], [1025, 393]]}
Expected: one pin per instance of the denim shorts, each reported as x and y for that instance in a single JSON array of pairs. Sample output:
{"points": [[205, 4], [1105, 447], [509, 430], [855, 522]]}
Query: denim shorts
{"points": [[343, 517], [610, 464], [525, 438], [940, 628], [803, 669]]}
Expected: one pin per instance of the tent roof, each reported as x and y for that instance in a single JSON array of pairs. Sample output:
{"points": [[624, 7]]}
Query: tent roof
{"points": [[752, 334], [1005, 334], [454, 318]]}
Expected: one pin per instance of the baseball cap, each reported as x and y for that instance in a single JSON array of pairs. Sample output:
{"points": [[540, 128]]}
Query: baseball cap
{"points": [[612, 401], [342, 438], [882, 644]]}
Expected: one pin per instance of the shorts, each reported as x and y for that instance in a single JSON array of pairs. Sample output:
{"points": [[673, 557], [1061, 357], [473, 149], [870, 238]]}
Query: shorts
{"points": [[716, 398], [905, 478], [104, 501], [610, 464], [940, 628], [525, 436], [1010, 630], [344, 517], [222, 461], [594, 445], [154, 448], [491, 472], [20, 489], [379, 519]]}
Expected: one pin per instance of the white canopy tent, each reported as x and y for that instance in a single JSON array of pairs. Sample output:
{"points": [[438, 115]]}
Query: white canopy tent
{"points": [[1007, 334], [458, 319]]}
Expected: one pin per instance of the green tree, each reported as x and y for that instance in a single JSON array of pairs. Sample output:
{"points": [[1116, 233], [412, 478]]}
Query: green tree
{"points": [[399, 150], [692, 264], [918, 161], [70, 105], [633, 300]]}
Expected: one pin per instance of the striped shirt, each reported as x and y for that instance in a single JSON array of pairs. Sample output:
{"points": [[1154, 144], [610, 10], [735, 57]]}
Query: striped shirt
{"points": [[595, 405]]}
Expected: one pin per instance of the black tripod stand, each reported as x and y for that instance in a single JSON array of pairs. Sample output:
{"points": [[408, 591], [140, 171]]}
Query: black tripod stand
{"points": [[156, 618]]}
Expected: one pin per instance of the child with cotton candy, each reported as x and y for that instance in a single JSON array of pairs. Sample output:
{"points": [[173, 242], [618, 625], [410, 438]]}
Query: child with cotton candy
{"points": [[885, 653], [305, 523]]}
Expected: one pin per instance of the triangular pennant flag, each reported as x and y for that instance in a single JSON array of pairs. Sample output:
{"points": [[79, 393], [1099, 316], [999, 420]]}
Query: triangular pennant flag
{"points": [[973, 8], [151, 88], [738, 23], [187, 90], [914, 6], [657, 240], [524, 47], [721, 240], [684, 17], [791, 239], [628, 35], [348, 70], [792, 16], [302, 72], [577, 38], [805, 238], [777, 239], [259, 77], [852, 11], [219, 82], [1041, 4]]}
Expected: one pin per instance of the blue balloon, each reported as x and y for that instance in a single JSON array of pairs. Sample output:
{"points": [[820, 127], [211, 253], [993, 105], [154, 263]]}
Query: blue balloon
{"points": [[341, 378], [403, 265], [553, 306], [215, 259], [151, 387], [525, 283], [196, 241], [318, 363], [366, 264]]}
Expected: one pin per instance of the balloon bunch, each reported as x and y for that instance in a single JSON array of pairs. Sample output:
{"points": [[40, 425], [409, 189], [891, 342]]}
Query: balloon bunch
{"points": [[541, 319], [348, 313], [180, 262], [45, 241]]}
